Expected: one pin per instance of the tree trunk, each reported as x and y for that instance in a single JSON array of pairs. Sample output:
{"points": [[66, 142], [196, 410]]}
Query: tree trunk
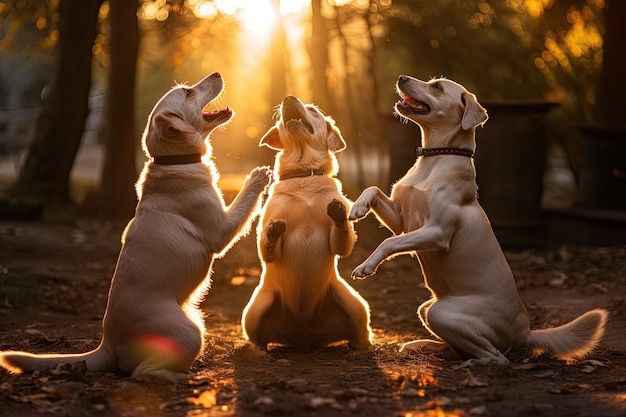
{"points": [[117, 192], [612, 81], [46, 171], [278, 60], [318, 52]]}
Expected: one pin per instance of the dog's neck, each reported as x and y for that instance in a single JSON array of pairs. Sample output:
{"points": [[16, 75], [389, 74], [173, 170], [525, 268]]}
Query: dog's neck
{"points": [[454, 144], [301, 174], [177, 159], [444, 151]]}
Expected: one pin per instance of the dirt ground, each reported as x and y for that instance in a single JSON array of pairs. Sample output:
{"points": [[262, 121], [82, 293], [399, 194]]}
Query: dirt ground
{"points": [[54, 278]]}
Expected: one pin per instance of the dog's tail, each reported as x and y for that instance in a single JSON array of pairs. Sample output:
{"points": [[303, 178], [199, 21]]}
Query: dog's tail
{"points": [[573, 340], [18, 362]]}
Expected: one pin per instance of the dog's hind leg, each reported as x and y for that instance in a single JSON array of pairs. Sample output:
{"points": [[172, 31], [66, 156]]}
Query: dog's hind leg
{"points": [[166, 351], [355, 320], [426, 345], [465, 334], [152, 369], [255, 314], [342, 235]]}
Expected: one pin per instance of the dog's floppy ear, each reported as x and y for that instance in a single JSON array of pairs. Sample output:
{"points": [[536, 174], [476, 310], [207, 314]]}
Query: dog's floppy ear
{"points": [[169, 125], [474, 114], [271, 139], [334, 140]]}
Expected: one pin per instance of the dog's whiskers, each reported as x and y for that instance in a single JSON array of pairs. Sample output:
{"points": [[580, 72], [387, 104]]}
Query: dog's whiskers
{"points": [[276, 114], [402, 118]]}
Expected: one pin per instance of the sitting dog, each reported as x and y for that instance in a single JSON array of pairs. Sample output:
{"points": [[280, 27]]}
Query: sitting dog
{"points": [[433, 211], [301, 300], [152, 327]]}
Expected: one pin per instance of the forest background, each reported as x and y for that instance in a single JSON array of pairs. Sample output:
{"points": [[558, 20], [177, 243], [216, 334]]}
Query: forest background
{"points": [[74, 72]]}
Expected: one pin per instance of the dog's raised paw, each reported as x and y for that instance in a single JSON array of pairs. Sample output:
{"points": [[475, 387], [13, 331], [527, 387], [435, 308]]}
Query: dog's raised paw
{"points": [[363, 271], [337, 211], [275, 229], [358, 211], [260, 176]]}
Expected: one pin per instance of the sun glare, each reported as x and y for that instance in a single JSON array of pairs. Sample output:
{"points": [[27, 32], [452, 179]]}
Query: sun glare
{"points": [[205, 9], [256, 16]]}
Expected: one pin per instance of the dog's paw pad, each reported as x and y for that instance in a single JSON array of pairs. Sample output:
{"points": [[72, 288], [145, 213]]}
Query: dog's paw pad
{"points": [[337, 211], [261, 176], [276, 228]]}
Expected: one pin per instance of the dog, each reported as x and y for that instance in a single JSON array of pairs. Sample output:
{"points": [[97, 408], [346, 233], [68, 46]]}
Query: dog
{"points": [[434, 213], [301, 301], [152, 328]]}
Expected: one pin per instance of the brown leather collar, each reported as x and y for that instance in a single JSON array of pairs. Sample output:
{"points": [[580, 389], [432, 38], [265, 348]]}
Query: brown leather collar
{"points": [[177, 159], [444, 151], [301, 174]]}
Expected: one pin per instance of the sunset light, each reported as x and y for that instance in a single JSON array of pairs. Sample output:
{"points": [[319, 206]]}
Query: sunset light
{"points": [[256, 16]]}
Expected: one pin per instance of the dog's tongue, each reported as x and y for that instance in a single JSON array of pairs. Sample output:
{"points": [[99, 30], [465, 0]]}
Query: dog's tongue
{"points": [[212, 114], [409, 102]]}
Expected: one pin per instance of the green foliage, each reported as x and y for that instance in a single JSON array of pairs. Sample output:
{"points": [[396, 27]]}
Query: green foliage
{"points": [[27, 37], [515, 49]]}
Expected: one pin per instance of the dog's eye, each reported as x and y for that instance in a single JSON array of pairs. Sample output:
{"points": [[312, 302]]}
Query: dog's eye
{"points": [[187, 91], [437, 86]]}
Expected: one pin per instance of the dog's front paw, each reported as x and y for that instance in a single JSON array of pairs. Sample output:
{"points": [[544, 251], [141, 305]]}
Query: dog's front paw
{"points": [[275, 229], [363, 271], [337, 211], [359, 210], [260, 178]]}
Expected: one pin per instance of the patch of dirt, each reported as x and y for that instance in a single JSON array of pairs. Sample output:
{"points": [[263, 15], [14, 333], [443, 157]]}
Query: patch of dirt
{"points": [[54, 279]]}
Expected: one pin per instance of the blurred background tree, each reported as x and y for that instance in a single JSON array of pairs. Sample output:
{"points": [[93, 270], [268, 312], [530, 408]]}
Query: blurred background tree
{"points": [[46, 169], [344, 55]]}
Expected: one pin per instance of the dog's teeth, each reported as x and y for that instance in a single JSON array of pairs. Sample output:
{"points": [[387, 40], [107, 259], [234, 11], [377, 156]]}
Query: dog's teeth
{"points": [[211, 107]]}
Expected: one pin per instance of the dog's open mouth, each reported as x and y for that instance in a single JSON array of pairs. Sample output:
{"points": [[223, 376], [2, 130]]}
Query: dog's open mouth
{"points": [[300, 122], [412, 105], [292, 116], [217, 117], [214, 115]]}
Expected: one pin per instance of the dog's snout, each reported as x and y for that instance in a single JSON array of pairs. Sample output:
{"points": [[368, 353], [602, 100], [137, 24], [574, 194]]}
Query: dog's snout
{"points": [[215, 75], [402, 78]]}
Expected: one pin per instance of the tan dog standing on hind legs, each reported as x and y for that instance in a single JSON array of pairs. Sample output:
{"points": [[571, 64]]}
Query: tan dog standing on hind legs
{"points": [[301, 300], [433, 211], [152, 327]]}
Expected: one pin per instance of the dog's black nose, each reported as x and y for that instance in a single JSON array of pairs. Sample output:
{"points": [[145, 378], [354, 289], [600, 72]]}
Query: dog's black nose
{"points": [[402, 78], [215, 75]]}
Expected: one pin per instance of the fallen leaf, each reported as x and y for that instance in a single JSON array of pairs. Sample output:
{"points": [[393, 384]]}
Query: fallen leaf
{"points": [[588, 369], [206, 399], [264, 400], [594, 362], [237, 281], [317, 402], [480, 410], [571, 389]]}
